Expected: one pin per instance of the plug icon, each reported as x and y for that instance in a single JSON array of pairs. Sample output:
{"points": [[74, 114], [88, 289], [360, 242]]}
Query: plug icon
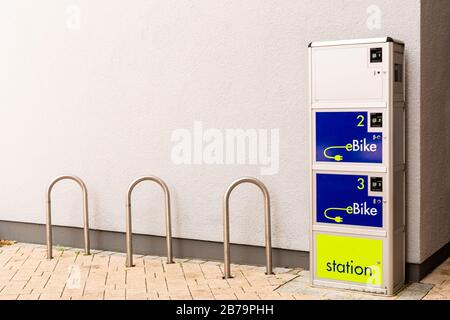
{"points": [[348, 147], [338, 219]]}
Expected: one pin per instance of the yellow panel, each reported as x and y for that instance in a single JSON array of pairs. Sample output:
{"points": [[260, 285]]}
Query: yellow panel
{"points": [[349, 259]]}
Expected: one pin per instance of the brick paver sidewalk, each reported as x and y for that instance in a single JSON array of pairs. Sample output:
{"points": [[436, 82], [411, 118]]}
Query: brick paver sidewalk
{"points": [[25, 273]]}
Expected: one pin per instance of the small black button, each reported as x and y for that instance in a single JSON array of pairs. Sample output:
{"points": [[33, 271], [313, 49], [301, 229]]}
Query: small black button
{"points": [[376, 184], [376, 55], [376, 120]]}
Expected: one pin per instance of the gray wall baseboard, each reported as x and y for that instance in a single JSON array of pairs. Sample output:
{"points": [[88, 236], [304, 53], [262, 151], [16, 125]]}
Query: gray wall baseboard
{"points": [[186, 248], [416, 272], [151, 245]]}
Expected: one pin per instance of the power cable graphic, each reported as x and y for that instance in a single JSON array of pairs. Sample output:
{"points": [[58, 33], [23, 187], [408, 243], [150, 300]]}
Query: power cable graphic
{"points": [[337, 157], [338, 219]]}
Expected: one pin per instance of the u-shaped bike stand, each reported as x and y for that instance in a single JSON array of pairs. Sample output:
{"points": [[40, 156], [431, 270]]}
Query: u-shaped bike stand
{"points": [[226, 224], [162, 184], [49, 213]]}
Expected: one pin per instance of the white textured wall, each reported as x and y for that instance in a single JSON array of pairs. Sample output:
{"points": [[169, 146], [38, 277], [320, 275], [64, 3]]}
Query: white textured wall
{"points": [[103, 101], [435, 127]]}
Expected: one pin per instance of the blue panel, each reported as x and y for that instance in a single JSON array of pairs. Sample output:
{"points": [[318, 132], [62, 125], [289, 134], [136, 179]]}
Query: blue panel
{"points": [[343, 199], [343, 137]]}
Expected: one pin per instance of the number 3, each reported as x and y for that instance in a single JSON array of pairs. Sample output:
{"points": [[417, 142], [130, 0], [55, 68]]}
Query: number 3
{"points": [[361, 183]]}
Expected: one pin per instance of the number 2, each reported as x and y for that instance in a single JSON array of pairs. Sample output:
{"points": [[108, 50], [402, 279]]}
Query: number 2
{"points": [[361, 122]]}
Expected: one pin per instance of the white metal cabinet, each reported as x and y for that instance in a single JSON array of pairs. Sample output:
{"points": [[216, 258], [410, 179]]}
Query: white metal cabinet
{"points": [[357, 115]]}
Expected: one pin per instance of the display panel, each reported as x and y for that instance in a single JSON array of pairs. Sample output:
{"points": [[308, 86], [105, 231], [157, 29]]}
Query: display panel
{"points": [[346, 137], [344, 199], [347, 258]]}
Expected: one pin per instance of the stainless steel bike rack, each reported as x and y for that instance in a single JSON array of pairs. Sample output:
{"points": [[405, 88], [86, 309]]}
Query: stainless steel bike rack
{"points": [[226, 223], [85, 213], [162, 184]]}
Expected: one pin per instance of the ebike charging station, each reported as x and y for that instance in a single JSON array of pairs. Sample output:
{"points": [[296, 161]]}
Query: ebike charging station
{"points": [[357, 122]]}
